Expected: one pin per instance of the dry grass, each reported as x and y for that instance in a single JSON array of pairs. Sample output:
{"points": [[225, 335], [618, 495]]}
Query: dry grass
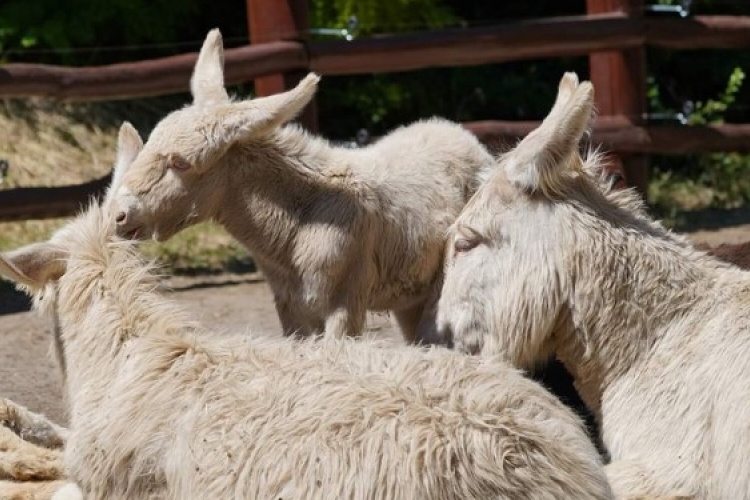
{"points": [[48, 143]]}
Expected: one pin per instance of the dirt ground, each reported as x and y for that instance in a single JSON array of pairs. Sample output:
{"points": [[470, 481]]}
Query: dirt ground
{"points": [[29, 374]]}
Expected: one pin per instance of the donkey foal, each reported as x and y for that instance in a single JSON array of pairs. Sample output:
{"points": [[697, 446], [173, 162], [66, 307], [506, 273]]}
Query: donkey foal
{"points": [[336, 231]]}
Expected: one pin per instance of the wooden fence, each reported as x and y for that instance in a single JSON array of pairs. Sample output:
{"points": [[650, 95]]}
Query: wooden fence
{"points": [[613, 34]]}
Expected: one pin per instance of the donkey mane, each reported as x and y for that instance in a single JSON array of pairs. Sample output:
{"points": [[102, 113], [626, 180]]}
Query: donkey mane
{"points": [[100, 260]]}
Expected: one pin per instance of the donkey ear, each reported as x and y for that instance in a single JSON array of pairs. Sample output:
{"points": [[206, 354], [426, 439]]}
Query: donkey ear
{"points": [[540, 161], [129, 144], [34, 265], [207, 82], [281, 108], [266, 113], [568, 84]]}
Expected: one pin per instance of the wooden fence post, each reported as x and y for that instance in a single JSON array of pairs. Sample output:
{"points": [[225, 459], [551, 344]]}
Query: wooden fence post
{"points": [[619, 78], [274, 20]]}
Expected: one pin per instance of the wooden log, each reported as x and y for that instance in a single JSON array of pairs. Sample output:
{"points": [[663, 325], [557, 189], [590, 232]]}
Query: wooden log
{"points": [[619, 77], [612, 133], [620, 135], [145, 78], [526, 39], [699, 32], [273, 20], [529, 39], [48, 202]]}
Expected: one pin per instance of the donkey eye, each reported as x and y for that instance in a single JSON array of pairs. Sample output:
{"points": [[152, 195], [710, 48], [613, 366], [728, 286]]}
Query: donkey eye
{"points": [[464, 245], [466, 239], [178, 163]]}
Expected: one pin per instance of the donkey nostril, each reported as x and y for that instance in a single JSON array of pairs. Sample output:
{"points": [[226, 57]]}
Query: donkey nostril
{"points": [[121, 217]]}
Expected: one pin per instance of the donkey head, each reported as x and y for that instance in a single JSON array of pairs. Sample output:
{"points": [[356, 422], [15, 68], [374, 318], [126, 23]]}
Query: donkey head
{"points": [[180, 177]]}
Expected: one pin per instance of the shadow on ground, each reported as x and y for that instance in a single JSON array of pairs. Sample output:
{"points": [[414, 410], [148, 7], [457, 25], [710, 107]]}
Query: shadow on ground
{"points": [[12, 300], [711, 219]]}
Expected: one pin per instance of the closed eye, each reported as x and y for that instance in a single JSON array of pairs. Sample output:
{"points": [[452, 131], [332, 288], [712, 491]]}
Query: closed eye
{"points": [[466, 239], [464, 245], [178, 163]]}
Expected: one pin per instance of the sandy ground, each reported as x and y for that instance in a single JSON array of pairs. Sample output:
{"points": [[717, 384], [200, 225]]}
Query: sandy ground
{"points": [[29, 374]]}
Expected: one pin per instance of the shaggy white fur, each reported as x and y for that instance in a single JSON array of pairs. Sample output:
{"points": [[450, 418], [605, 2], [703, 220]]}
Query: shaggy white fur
{"points": [[336, 231], [546, 262], [161, 408]]}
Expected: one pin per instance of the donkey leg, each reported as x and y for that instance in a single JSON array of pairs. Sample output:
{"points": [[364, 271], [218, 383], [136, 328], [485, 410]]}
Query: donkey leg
{"points": [[426, 332], [291, 324], [347, 318], [409, 321], [24, 461], [30, 426]]}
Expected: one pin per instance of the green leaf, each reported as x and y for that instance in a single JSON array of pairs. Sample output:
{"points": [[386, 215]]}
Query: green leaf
{"points": [[28, 41]]}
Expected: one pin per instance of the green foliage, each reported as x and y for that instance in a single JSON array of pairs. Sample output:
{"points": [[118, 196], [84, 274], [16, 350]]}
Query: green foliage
{"points": [[62, 33], [61, 26], [378, 16], [378, 103], [381, 102], [717, 180], [89, 32], [713, 110]]}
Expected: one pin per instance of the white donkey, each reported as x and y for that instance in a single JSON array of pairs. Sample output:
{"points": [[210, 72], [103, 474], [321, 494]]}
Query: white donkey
{"points": [[336, 231], [161, 408], [544, 261]]}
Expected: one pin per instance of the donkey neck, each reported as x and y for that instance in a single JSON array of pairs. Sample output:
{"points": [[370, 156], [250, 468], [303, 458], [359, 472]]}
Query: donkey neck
{"points": [[626, 287], [292, 155], [107, 298], [278, 181]]}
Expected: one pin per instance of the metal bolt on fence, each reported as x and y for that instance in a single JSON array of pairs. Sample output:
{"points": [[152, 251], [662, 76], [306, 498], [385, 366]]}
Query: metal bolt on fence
{"points": [[682, 10], [682, 118], [349, 33]]}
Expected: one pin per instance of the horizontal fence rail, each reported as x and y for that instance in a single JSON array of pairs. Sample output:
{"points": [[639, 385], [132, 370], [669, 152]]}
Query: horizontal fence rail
{"points": [[615, 134], [48, 202], [619, 135], [145, 78], [518, 40], [526, 39]]}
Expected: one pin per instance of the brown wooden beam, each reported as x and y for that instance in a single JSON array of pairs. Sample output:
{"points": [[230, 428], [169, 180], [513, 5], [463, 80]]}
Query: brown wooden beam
{"points": [[699, 32], [272, 20], [613, 133], [48, 202], [145, 78], [619, 78], [526, 39], [619, 135]]}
